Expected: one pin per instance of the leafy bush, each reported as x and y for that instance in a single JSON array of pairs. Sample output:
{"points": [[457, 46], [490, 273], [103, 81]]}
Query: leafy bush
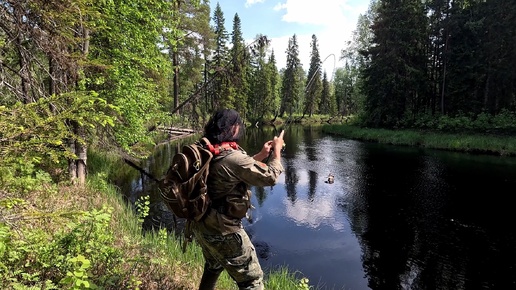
{"points": [[24, 176], [78, 256]]}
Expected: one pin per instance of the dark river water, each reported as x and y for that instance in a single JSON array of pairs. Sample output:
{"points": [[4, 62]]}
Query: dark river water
{"points": [[395, 217]]}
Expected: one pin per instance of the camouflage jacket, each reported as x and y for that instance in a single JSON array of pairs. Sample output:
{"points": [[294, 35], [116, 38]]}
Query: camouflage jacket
{"points": [[232, 172]]}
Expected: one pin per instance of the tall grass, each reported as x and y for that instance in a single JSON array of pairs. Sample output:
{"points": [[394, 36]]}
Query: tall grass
{"points": [[89, 237], [471, 143]]}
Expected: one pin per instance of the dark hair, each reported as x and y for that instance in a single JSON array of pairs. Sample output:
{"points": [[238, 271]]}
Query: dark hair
{"points": [[222, 126]]}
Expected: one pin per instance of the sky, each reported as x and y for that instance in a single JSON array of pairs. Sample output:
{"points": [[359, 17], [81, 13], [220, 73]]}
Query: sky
{"points": [[332, 22]]}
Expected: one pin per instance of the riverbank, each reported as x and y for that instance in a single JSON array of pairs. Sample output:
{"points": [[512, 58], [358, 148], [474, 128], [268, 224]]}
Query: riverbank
{"points": [[459, 142], [61, 236]]}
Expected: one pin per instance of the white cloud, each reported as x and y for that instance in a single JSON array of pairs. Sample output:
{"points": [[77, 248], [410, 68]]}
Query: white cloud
{"points": [[333, 22], [329, 13], [252, 2], [279, 7], [303, 212]]}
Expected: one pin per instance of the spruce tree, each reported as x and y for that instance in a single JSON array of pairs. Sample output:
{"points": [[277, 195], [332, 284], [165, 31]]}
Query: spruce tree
{"points": [[314, 82], [239, 66], [219, 68], [290, 82]]}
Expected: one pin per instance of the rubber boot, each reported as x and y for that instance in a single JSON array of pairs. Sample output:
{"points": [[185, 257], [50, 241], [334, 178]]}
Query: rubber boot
{"points": [[208, 280]]}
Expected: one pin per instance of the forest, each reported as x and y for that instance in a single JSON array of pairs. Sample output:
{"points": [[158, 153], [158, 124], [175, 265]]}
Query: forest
{"points": [[79, 73], [86, 76]]}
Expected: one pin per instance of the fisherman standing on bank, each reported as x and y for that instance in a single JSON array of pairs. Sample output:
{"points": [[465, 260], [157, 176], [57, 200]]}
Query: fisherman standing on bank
{"points": [[224, 242]]}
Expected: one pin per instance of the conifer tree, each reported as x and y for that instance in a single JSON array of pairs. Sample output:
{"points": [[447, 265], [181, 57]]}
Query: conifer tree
{"points": [[290, 83], [238, 76], [275, 80], [219, 68], [192, 47], [395, 78], [261, 89], [327, 104], [314, 83]]}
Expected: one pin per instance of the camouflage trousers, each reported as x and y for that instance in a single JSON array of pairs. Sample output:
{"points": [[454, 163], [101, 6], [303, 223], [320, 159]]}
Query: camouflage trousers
{"points": [[234, 253]]}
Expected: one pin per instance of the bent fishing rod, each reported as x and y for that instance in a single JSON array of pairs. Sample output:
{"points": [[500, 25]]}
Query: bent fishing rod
{"points": [[260, 42], [257, 44]]}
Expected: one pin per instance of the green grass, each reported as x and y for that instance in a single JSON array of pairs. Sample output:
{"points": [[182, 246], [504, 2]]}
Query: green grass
{"points": [[469, 143], [78, 237]]}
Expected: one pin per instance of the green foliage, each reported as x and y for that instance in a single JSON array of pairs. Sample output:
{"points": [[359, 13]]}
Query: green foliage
{"points": [[303, 284], [142, 207], [37, 130], [502, 123], [130, 47], [78, 256], [78, 278], [24, 176], [33, 137], [455, 141]]}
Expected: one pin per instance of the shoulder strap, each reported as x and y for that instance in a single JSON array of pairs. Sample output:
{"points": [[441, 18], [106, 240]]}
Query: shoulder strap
{"points": [[218, 148]]}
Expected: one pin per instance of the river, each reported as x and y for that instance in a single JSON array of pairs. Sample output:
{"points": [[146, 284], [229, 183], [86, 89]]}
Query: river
{"points": [[395, 217]]}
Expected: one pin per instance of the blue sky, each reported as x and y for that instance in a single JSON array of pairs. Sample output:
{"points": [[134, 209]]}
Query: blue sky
{"points": [[332, 21]]}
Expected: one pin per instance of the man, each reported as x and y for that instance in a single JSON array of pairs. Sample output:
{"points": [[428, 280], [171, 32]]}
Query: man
{"points": [[224, 242]]}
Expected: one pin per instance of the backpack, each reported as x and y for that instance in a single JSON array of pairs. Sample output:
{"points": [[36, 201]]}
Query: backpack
{"points": [[184, 189]]}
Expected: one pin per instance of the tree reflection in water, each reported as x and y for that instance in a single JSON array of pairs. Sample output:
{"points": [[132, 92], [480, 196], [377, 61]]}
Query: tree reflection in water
{"points": [[394, 218]]}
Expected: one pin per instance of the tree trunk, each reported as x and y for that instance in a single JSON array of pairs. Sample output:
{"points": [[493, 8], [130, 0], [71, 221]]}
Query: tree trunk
{"points": [[72, 166], [82, 154], [175, 64], [82, 148], [444, 72], [78, 167]]}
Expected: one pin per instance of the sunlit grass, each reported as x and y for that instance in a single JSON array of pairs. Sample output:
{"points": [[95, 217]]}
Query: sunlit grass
{"points": [[471, 143], [165, 250]]}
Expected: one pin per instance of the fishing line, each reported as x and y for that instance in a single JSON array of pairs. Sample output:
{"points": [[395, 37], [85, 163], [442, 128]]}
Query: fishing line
{"points": [[258, 43], [319, 68]]}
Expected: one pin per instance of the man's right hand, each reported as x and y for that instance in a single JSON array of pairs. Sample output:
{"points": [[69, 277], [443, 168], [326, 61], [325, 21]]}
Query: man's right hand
{"points": [[278, 143]]}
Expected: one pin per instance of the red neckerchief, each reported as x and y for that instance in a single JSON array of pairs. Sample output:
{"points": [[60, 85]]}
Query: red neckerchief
{"points": [[218, 148]]}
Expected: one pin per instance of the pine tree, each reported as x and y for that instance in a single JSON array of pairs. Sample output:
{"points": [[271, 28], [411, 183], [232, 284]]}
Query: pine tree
{"points": [[238, 76], [188, 51], [327, 104], [290, 82], [313, 85], [194, 46], [261, 89], [220, 84], [274, 79]]}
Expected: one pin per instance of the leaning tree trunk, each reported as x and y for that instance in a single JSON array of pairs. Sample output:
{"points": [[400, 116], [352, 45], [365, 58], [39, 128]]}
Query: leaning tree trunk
{"points": [[78, 167]]}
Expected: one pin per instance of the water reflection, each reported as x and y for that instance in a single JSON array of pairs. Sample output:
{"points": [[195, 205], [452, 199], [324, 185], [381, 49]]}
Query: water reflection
{"points": [[394, 218]]}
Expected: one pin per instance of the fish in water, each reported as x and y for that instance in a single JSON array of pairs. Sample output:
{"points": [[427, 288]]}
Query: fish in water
{"points": [[330, 178]]}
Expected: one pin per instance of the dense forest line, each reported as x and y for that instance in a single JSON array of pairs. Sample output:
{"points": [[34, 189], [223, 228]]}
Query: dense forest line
{"points": [[77, 73]]}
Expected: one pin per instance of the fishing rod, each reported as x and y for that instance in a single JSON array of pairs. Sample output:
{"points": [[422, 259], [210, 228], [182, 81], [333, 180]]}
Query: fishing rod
{"points": [[319, 68], [260, 42], [152, 177], [308, 85], [284, 144]]}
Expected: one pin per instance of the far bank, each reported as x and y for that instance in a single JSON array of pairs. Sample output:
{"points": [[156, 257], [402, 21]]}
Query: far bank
{"points": [[460, 142]]}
